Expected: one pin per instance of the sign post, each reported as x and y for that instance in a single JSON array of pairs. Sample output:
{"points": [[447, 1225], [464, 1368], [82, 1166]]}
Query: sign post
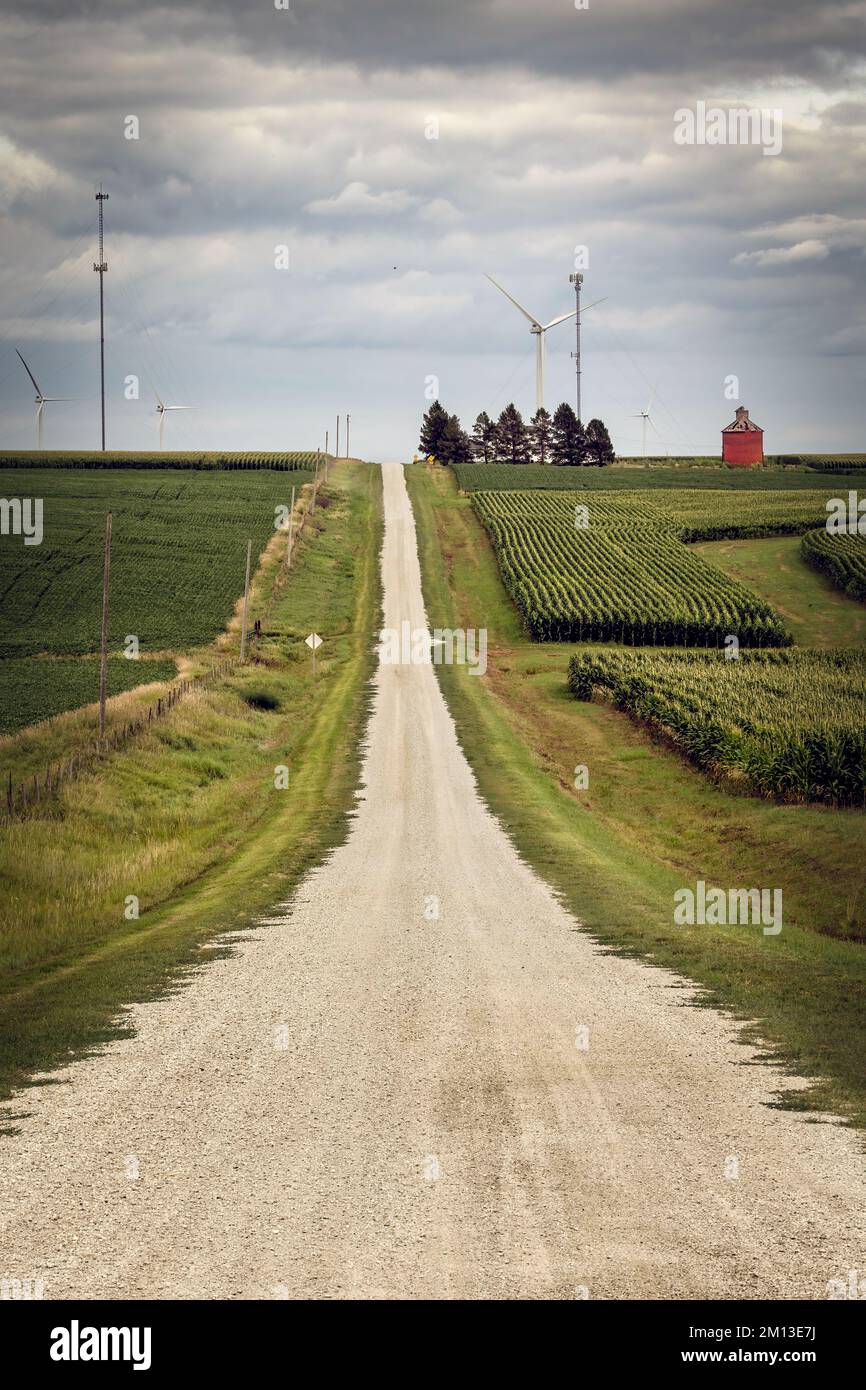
{"points": [[314, 641]]}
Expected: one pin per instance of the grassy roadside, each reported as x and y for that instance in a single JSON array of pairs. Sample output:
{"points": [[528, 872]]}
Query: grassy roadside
{"points": [[649, 824], [188, 817]]}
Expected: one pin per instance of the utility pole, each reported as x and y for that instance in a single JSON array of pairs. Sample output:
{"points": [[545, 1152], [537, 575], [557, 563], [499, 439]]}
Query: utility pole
{"points": [[327, 437], [101, 266], [246, 601], [577, 281], [337, 451], [103, 646], [348, 418]]}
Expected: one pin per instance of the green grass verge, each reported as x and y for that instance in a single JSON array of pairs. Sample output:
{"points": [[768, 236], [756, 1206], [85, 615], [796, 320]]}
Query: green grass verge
{"points": [[188, 818], [649, 824]]}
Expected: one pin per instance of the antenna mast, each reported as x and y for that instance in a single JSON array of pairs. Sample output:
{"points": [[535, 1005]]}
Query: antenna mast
{"points": [[577, 281], [101, 267]]}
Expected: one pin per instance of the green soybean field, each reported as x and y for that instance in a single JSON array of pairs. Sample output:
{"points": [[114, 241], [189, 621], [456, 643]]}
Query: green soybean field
{"points": [[32, 689], [177, 567]]}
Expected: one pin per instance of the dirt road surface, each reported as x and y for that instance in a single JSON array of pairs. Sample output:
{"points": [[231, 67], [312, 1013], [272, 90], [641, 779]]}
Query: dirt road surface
{"points": [[384, 1091]]}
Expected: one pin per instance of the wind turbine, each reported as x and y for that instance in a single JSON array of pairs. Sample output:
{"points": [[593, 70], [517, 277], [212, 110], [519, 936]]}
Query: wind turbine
{"points": [[161, 411], [645, 416], [41, 401], [539, 329]]}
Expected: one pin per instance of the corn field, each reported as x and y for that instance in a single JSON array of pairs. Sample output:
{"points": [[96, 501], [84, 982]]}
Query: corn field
{"points": [[613, 567], [784, 724], [221, 462], [841, 557]]}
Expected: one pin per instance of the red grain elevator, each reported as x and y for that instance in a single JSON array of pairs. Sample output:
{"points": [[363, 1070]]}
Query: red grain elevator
{"points": [[742, 441]]}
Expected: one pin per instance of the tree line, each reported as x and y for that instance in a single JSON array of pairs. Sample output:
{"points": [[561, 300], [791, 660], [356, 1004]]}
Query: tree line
{"points": [[547, 439]]}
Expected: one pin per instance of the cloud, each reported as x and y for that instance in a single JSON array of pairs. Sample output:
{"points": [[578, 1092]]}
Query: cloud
{"points": [[812, 250], [554, 130], [356, 199]]}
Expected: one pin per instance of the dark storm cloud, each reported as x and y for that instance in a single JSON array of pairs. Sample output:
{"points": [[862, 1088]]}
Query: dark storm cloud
{"points": [[747, 38]]}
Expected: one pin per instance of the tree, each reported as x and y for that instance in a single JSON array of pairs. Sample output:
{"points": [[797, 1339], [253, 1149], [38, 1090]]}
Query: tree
{"points": [[580, 450], [432, 427], [483, 439], [568, 441], [455, 446], [598, 445], [512, 438], [540, 435]]}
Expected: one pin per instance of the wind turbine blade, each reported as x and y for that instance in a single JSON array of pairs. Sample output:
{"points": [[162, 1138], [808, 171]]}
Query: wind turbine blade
{"points": [[30, 374], [584, 307], [553, 322], [159, 404], [179, 407], [525, 312], [655, 431]]}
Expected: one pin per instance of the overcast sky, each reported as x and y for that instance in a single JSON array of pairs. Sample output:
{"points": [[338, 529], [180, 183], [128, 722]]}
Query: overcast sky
{"points": [[309, 128]]}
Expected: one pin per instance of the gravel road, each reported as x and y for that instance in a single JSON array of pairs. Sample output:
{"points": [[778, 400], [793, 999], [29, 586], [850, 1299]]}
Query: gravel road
{"points": [[381, 1092]]}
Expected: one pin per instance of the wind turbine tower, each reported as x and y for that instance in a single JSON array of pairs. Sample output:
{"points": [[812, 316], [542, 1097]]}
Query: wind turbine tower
{"points": [[644, 416], [538, 329], [41, 401], [161, 411]]}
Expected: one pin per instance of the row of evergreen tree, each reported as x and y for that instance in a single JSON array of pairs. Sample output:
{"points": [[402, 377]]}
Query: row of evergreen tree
{"points": [[556, 439]]}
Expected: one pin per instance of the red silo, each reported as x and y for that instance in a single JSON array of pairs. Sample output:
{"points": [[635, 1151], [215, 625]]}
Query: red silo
{"points": [[742, 440]]}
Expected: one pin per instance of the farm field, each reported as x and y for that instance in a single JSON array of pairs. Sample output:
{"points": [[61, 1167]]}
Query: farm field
{"points": [[788, 724], [842, 558], [483, 477], [161, 459], [177, 558], [624, 575], [177, 562], [815, 612], [32, 689], [695, 514]]}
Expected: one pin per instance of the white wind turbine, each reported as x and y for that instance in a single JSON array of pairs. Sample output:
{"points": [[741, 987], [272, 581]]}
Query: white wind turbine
{"points": [[644, 416], [539, 329], [161, 412], [41, 401]]}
